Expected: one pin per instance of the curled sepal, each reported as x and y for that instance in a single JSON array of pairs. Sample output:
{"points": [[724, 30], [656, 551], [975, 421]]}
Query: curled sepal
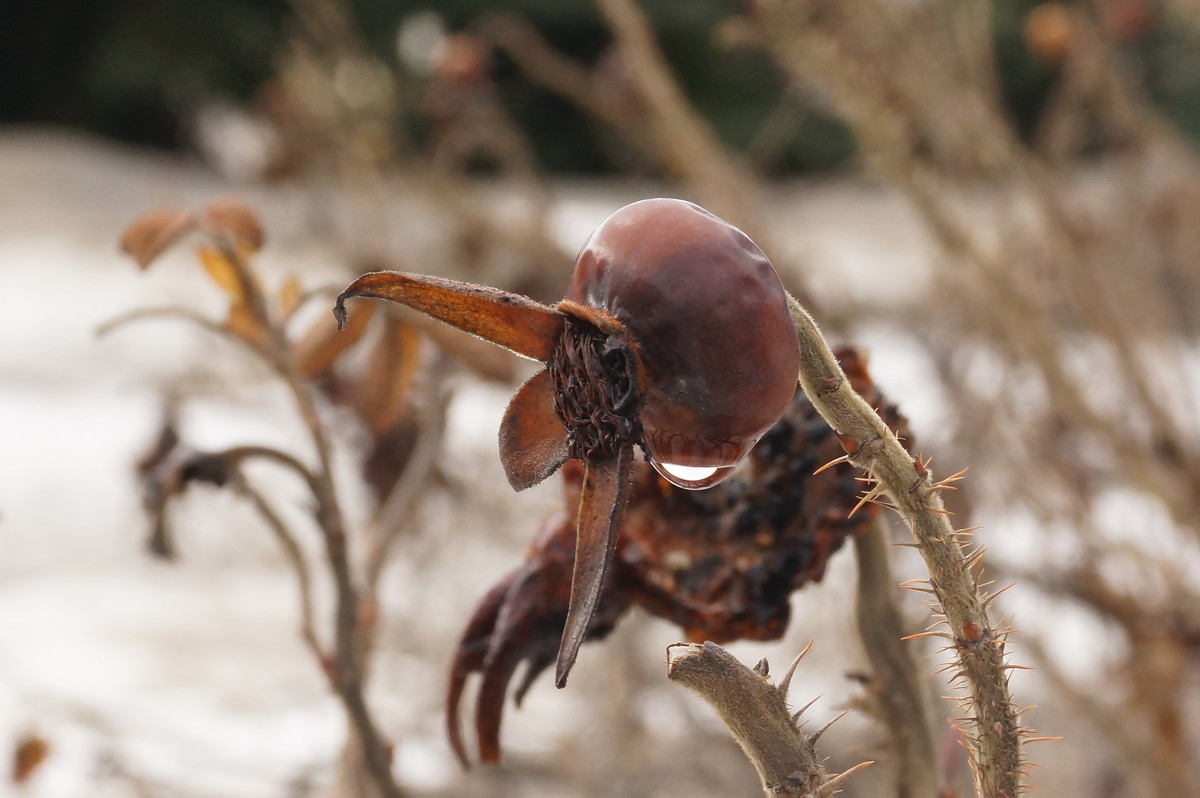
{"points": [[472, 651], [533, 440], [513, 321], [601, 503]]}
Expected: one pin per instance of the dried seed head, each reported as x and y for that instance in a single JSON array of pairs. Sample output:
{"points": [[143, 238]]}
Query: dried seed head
{"points": [[596, 394]]}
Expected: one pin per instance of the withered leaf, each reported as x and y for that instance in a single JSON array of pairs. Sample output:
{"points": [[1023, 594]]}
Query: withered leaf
{"points": [[383, 392], [320, 347], [290, 297], [236, 220], [30, 752], [150, 234], [236, 282]]}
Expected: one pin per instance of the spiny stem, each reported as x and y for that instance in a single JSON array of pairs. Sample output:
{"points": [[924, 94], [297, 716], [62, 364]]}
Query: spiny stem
{"points": [[996, 743], [757, 715]]}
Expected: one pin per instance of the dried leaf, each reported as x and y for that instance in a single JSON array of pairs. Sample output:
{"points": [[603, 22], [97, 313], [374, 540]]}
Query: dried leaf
{"points": [[248, 327], [236, 283], [290, 297], [383, 391], [30, 752], [223, 273], [322, 345], [235, 220], [150, 234]]}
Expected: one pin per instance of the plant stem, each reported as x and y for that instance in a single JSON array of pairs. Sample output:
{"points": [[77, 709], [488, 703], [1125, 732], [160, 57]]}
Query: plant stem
{"points": [[757, 715], [995, 737], [898, 686]]}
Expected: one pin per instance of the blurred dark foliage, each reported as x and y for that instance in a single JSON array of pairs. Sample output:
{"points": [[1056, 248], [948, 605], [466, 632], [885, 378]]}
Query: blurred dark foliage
{"points": [[134, 69]]}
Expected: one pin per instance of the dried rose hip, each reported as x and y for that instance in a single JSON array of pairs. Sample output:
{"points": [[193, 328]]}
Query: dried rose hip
{"points": [[675, 338]]}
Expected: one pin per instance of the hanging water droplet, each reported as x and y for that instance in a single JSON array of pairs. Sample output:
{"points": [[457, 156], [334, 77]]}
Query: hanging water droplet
{"points": [[691, 477]]}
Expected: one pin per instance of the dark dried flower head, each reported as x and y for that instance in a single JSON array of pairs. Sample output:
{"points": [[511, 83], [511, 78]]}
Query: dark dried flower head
{"points": [[674, 338], [721, 564]]}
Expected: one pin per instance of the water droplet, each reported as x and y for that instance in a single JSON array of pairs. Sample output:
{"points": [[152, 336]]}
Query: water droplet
{"points": [[689, 473], [692, 477]]}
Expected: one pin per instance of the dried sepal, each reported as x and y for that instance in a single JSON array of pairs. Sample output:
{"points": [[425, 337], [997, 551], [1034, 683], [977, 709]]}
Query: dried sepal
{"points": [[479, 356], [510, 320], [602, 501], [533, 440], [520, 621]]}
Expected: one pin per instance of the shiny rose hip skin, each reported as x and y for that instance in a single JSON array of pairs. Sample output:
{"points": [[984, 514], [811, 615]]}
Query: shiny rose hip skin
{"points": [[674, 337]]}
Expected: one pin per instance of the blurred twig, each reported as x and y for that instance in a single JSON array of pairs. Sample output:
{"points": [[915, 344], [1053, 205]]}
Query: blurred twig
{"points": [[898, 685]]}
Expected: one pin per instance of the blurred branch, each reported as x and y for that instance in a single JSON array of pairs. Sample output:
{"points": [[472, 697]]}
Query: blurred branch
{"points": [[898, 685], [687, 146], [634, 93], [234, 232], [296, 558], [395, 516]]}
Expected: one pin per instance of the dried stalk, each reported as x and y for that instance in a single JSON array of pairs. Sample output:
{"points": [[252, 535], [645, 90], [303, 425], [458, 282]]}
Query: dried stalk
{"points": [[899, 687], [757, 715], [995, 739], [295, 556], [346, 669]]}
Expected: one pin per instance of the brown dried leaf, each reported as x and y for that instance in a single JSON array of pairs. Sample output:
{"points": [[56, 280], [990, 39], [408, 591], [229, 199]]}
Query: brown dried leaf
{"points": [[242, 321], [236, 220], [150, 234], [322, 345], [223, 273], [30, 752], [248, 327], [382, 393], [290, 297]]}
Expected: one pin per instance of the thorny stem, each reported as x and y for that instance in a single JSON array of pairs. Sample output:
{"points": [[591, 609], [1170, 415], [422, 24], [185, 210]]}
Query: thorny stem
{"points": [[757, 715], [995, 740], [898, 688]]}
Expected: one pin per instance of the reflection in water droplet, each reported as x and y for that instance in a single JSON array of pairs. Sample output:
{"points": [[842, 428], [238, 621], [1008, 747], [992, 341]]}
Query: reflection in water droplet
{"points": [[688, 473], [692, 477]]}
